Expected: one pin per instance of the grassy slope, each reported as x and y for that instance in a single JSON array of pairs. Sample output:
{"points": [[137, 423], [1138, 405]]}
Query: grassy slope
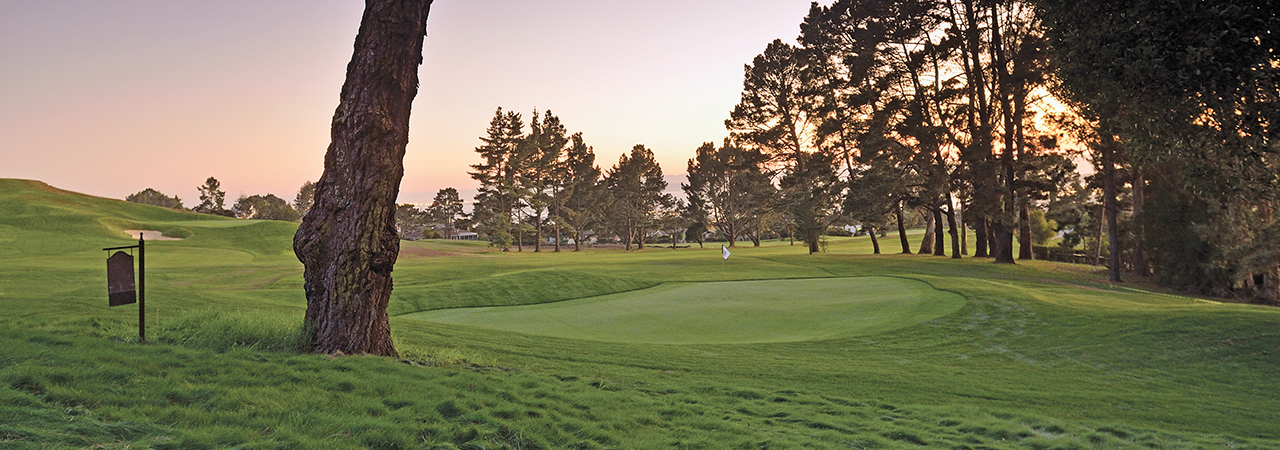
{"points": [[1041, 356]]}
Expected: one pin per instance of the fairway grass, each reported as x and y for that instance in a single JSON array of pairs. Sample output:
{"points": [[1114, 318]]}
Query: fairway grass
{"points": [[1036, 355], [740, 312]]}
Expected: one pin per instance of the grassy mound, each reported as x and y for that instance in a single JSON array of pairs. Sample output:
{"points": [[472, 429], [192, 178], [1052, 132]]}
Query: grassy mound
{"points": [[724, 312], [1040, 355]]}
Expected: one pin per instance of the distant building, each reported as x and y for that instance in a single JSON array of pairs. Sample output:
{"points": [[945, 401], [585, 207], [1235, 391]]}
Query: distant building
{"points": [[465, 236]]}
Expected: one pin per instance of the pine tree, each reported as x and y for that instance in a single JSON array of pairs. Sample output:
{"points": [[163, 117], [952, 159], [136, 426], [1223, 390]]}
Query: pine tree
{"points": [[636, 187], [500, 193], [212, 198], [581, 191]]}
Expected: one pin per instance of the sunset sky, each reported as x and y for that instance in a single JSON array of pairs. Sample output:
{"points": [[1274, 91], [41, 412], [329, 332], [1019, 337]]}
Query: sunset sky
{"points": [[108, 98]]}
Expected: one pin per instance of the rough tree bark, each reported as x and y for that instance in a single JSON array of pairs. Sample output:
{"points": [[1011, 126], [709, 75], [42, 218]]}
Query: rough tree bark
{"points": [[939, 243], [1109, 191], [1025, 252], [926, 244], [348, 242], [902, 228], [980, 234], [1139, 250], [1002, 234], [951, 224]]}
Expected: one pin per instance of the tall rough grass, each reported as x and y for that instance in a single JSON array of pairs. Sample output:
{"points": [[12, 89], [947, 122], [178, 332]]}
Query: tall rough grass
{"points": [[222, 331]]}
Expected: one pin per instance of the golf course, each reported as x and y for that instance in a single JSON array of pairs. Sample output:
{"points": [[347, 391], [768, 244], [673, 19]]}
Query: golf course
{"points": [[659, 348]]}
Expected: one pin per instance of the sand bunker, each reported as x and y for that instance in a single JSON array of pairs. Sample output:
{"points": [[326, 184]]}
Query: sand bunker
{"points": [[151, 235]]}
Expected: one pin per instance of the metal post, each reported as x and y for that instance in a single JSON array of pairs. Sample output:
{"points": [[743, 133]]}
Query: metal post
{"points": [[142, 289]]}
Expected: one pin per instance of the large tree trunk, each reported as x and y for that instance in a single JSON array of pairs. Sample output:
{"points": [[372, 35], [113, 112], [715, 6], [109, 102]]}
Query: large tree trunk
{"points": [[939, 243], [964, 234], [1139, 252], [901, 228], [1001, 242], [980, 234], [875, 244], [951, 224], [537, 243], [348, 242], [926, 244], [1002, 235], [1109, 191], [557, 236], [1024, 230]]}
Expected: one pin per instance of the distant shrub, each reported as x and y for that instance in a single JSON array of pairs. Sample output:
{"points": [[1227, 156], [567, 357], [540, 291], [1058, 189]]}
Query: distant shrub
{"points": [[153, 197], [836, 231], [268, 207]]}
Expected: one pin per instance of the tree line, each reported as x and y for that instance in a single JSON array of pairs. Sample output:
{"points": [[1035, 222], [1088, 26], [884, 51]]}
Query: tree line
{"points": [[973, 114], [213, 201], [959, 108], [545, 183]]}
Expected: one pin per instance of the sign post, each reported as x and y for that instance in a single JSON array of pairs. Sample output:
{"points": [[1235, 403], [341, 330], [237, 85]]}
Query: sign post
{"points": [[120, 287]]}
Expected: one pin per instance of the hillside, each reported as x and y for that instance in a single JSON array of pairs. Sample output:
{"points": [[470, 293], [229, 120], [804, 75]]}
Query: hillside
{"points": [[1038, 355]]}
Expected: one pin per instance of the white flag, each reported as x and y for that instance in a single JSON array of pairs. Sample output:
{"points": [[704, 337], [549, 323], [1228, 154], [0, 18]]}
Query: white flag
{"points": [[724, 251]]}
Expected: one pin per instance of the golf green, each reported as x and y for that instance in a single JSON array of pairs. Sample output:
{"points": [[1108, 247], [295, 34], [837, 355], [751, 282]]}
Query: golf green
{"points": [[723, 312]]}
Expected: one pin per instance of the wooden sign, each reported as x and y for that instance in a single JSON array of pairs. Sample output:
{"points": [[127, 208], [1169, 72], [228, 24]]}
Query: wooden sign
{"points": [[120, 286]]}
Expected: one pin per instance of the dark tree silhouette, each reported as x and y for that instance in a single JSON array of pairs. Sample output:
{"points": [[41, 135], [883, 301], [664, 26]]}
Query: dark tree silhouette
{"points": [[212, 197], [153, 197], [348, 242]]}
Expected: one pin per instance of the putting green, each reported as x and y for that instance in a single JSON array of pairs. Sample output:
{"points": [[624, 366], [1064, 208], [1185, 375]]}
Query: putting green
{"points": [[723, 312]]}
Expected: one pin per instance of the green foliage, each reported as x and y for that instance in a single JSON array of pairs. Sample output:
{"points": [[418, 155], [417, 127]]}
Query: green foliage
{"points": [[1182, 257], [1207, 75], [445, 210], [584, 199], [305, 198], [500, 193], [635, 186], [730, 188], [212, 198], [269, 207], [811, 191], [153, 197], [411, 221], [1042, 231]]}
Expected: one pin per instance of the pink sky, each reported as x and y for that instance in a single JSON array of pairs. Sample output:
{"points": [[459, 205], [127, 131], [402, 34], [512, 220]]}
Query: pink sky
{"points": [[108, 98]]}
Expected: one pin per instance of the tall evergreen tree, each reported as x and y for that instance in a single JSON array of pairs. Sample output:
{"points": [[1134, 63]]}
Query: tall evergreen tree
{"points": [[542, 172], [582, 192], [811, 190], [636, 187], [773, 115], [305, 198], [730, 186], [445, 209], [212, 197], [500, 194]]}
